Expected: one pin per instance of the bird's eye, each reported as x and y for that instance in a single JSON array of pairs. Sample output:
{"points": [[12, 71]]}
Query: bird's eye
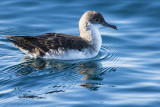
{"points": [[96, 20]]}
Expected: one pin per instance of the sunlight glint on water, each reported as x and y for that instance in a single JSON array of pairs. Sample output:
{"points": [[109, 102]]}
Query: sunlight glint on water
{"points": [[125, 72]]}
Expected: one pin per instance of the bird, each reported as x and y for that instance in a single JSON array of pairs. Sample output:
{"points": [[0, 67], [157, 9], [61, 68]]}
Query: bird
{"points": [[64, 46]]}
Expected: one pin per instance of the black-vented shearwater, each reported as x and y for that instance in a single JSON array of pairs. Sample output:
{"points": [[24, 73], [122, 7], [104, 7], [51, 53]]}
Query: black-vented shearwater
{"points": [[64, 46]]}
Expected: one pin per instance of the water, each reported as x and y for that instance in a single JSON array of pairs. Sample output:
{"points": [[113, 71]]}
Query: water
{"points": [[125, 72]]}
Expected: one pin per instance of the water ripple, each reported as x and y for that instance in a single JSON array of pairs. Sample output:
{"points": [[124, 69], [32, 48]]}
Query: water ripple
{"points": [[125, 72]]}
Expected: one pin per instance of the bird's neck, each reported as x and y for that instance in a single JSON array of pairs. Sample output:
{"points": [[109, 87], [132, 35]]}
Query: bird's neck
{"points": [[91, 34]]}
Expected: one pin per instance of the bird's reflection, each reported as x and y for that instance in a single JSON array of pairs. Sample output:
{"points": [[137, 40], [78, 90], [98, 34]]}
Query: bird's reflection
{"points": [[91, 71]]}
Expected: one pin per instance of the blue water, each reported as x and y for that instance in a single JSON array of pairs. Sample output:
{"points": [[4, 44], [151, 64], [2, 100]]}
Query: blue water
{"points": [[126, 71]]}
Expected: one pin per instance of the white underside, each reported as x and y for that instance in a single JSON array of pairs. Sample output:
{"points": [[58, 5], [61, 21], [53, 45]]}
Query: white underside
{"points": [[70, 54], [65, 55]]}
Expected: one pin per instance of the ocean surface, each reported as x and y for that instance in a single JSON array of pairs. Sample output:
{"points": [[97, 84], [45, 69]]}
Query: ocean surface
{"points": [[126, 72]]}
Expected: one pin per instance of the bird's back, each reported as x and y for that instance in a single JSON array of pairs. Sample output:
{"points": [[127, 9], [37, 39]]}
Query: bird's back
{"points": [[41, 44]]}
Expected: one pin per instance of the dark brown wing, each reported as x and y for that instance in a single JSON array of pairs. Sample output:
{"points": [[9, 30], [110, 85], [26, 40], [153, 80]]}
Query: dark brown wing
{"points": [[43, 43], [56, 40], [28, 43]]}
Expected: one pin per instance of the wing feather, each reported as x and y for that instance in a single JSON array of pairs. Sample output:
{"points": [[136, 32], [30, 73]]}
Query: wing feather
{"points": [[43, 43]]}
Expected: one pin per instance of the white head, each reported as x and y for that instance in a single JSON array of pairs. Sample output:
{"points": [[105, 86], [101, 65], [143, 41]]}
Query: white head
{"points": [[89, 24], [93, 18]]}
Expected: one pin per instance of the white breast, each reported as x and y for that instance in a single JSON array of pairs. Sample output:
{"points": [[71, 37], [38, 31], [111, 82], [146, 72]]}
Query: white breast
{"points": [[96, 37]]}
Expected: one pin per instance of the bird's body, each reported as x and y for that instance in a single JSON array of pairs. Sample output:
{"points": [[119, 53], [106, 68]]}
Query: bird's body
{"points": [[63, 46], [52, 45]]}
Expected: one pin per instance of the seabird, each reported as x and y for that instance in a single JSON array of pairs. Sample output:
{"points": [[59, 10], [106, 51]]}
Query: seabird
{"points": [[64, 46]]}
